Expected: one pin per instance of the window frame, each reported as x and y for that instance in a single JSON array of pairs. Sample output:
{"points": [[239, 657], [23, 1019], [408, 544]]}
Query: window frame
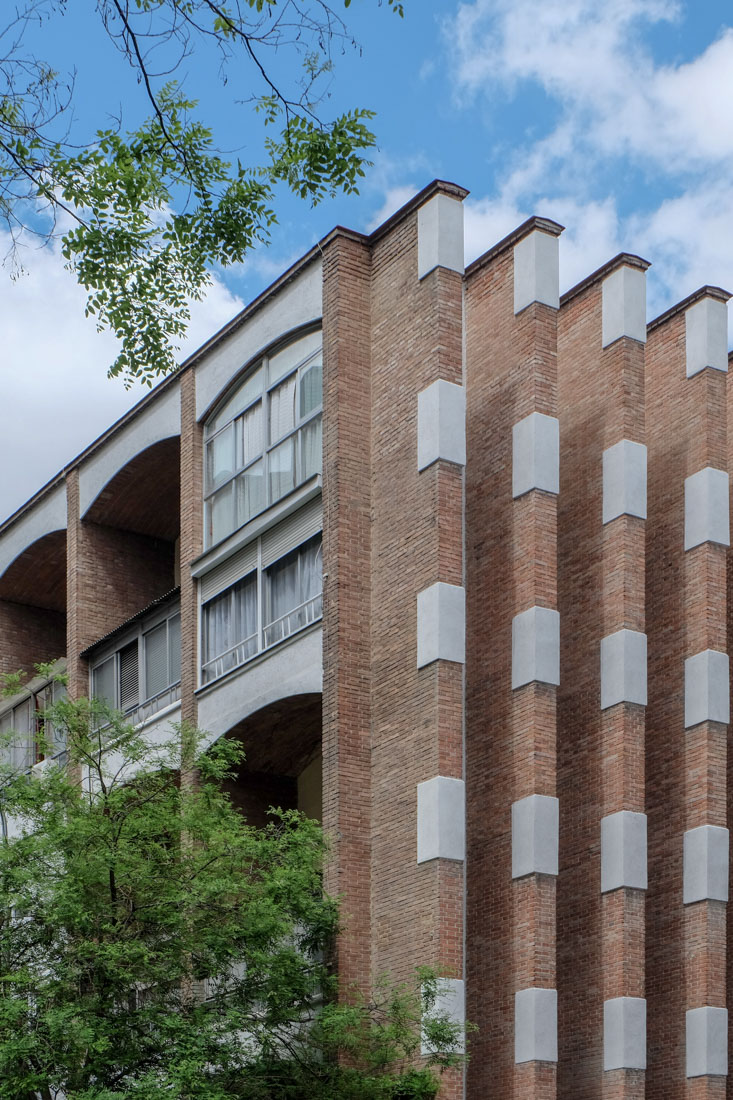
{"points": [[262, 596], [137, 634], [36, 700], [269, 445]]}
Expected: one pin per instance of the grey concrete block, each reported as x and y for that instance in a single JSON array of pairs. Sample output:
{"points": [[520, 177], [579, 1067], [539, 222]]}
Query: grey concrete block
{"points": [[535, 832], [450, 1002], [706, 336], [441, 624], [439, 235], [441, 424], [536, 647], [706, 854], [535, 1025], [624, 480], [623, 851], [536, 454], [707, 1041], [537, 270], [624, 1033], [624, 305], [441, 819], [707, 688], [706, 508], [623, 668]]}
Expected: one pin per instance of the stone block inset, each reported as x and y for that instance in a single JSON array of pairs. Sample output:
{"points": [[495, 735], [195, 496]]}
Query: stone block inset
{"points": [[536, 647], [624, 305], [623, 851], [450, 1002], [441, 424], [707, 690], [439, 235], [706, 336], [705, 864], [441, 624], [441, 819], [536, 454], [623, 668], [706, 508], [624, 480], [535, 832], [537, 270], [624, 1033], [707, 1041], [535, 1025]]}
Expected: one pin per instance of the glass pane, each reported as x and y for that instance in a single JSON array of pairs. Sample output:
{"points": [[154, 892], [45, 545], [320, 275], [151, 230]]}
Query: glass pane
{"points": [[22, 750], [250, 436], [311, 569], [283, 587], [310, 449], [230, 628], [311, 388], [293, 354], [240, 399], [282, 410], [221, 514], [129, 695], [155, 645], [250, 492], [219, 459], [245, 609], [174, 649], [103, 682], [282, 469]]}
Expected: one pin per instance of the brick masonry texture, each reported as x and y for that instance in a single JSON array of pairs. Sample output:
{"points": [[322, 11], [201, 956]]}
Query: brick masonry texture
{"points": [[383, 725]]}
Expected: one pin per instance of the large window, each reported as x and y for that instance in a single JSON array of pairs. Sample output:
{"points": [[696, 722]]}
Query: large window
{"points": [[266, 439], [143, 674], [26, 735], [262, 609]]}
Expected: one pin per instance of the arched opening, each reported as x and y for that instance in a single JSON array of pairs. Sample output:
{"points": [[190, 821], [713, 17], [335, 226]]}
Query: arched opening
{"points": [[282, 765], [33, 604]]}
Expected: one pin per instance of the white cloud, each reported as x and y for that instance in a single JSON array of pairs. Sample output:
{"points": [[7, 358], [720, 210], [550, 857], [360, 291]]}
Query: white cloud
{"points": [[55, 393]]}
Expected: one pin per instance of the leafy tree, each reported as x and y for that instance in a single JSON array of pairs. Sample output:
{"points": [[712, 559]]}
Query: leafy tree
{"points": [[154, 945], [152, 209]]}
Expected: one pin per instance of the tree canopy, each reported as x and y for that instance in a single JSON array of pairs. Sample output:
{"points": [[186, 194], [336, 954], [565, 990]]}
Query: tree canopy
{"points": [[153, 944], [147, 212]]}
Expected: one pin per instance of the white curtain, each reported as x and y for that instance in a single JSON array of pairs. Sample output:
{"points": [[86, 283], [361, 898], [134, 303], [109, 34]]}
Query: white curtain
{"points": [[311, 388], [282, 469], [250, 492], [311, 450], [250, 436], [230, 627], [282, 409]]}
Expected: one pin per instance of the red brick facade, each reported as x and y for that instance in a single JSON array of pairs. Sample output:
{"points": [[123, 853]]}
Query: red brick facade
{"points": [[531, 621]]}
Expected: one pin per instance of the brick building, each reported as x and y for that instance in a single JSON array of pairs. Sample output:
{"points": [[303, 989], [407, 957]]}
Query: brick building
{"points": [[449, 554]]}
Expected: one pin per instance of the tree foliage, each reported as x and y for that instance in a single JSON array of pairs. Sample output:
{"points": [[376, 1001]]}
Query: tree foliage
{"points": [[153, 209], [154, 945]]}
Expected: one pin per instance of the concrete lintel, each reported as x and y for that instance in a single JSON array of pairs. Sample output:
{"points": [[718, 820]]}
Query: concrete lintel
{"points": [[536, 454], [440, 235], [705, 874], [623, 668], [441, 819], [535, 833], [441, 424], [707, 688], [624, 305], [624, 480], [623, 851], [537, 270], [535, 1025], [706, 336], [441, 624], [536, 647]]}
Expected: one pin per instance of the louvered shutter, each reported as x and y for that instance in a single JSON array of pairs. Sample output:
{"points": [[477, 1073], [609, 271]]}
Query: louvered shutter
{"points": [[156, 660], [229, 572], [128, 677], [291, 532]]}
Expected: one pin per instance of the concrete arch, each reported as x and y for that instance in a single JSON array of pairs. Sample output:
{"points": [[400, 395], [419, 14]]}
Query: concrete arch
{"points": [[37, 576], [161, 420], [291, 671], [45, 518]]}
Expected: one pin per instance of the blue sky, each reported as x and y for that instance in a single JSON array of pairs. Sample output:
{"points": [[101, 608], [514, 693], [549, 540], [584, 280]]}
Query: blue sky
{"points": [[612, 118]]}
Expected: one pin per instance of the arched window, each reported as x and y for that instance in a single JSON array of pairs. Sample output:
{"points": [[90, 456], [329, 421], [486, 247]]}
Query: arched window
{"points": [[265, 440]]}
